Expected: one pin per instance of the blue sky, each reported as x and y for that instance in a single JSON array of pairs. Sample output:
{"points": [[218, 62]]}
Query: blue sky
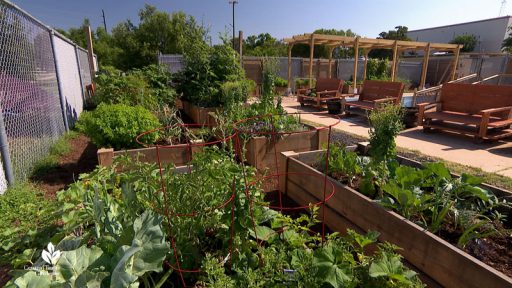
{"points": [[281, 18]]}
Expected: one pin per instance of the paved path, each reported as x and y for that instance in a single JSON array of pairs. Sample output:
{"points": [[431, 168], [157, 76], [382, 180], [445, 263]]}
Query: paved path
{"points": [[490, 157]]}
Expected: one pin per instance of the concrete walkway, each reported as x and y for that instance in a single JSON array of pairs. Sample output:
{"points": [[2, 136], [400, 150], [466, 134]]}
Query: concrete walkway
{"points": [[490, 157]]}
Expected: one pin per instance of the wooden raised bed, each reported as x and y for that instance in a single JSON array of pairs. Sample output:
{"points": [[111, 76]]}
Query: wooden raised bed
{"points": [[260, 150], [179, 155], [439, 260], [198, 114]]}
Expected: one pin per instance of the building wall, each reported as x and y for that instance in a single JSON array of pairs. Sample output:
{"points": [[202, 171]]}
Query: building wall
{"points": [[490, 33]]}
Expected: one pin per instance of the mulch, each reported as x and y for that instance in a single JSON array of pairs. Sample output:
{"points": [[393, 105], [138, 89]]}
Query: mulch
{"points": [[81, 159]]}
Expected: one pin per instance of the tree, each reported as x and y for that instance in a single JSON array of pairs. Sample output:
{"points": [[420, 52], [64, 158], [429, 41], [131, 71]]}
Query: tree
{"points": [[506, 46], [400, 33], [131, 46], [322, 51], [469, 42], [264, 45]]}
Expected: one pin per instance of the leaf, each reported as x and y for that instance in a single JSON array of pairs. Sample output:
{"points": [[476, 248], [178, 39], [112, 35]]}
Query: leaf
{"points": [[147, 252], [332, 267], [388, 266], [470, 179], [439, 169], [90, 279], [32, 280], [73, 263], [263, 233]]}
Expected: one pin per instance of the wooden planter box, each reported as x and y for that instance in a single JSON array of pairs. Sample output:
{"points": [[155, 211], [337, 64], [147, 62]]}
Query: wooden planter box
{"points": [[179, 155], [260, 150], [198, 114], [441, 261]]}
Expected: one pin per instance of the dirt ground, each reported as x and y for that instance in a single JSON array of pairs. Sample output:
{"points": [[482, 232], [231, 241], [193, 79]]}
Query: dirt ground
{"points": [[81, 159]]}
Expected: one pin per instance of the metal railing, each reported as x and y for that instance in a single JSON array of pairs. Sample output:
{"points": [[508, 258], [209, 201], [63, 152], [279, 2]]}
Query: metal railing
{"points": [[431, 94]]}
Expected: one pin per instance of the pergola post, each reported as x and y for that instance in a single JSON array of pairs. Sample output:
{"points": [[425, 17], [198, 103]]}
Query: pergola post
{"points": [[331, 49], [290, 46], [455, 62], [395, 60], [366, 52], [424, 69], [356, 60], [311, 54]]}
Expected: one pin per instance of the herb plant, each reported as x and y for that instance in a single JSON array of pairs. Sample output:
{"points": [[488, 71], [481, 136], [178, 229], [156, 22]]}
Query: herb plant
{"points": [[118, 125]]}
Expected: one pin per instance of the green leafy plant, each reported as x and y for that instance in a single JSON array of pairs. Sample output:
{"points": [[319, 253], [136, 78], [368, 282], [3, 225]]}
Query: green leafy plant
{"points": [[147, 87], [386, 123], [118, 125], [281, 82], [206, 69]]}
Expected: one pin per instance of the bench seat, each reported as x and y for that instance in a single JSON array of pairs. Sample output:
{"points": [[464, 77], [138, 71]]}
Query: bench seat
{"points": [[464, 118]]}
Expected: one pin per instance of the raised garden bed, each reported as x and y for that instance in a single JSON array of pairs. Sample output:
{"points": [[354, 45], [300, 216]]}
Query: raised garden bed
{"points": [[198, 114], [178, 155], [438, 259], [261, 150]]}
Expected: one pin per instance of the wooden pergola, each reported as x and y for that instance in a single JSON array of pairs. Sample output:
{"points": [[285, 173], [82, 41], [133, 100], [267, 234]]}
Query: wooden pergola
{"points": [[368, 44]]}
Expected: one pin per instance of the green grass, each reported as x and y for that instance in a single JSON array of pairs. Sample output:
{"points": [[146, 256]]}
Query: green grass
{"points": [[49, 163], [26, 216], [488, 177]]}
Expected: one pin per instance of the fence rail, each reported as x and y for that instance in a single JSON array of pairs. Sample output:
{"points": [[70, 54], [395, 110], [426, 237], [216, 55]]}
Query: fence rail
{"points": [[42, 88]]}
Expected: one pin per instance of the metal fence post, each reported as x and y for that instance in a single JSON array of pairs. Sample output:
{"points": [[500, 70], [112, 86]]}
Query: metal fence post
{"points": [[80, 74], [62, 101], [4, 151]]}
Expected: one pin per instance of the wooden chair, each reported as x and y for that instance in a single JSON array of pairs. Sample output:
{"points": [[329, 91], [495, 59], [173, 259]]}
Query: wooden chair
{"points": [[376, 93], [482, 111], [326, 89]]}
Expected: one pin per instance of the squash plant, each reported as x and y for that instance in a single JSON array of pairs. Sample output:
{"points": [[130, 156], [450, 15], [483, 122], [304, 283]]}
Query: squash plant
{"points": [[430, 196], [118, 226]]}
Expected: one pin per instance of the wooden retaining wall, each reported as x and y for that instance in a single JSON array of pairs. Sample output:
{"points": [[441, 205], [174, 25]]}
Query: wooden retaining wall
{"points": [[438, 259]]}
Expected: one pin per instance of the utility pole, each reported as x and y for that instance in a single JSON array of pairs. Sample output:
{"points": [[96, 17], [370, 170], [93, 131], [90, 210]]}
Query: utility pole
{"points": [[104, 21], [233, 2]]}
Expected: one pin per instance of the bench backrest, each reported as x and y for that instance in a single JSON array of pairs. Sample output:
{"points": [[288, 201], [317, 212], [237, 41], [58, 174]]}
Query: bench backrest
{"points": [[375, 90], [468, 98], [327, 84]]}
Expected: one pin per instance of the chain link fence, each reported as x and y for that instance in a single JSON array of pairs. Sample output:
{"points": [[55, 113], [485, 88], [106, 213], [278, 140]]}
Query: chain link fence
{"points": [[41, 90]]}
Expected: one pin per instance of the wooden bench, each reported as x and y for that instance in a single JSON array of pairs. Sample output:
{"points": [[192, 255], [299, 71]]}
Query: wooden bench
{"points": [[482, 111], [326, 89], [376, 93]]}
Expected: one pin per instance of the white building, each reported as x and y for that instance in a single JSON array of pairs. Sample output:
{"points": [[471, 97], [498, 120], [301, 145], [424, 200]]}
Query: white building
{"points": [[489, 32]]}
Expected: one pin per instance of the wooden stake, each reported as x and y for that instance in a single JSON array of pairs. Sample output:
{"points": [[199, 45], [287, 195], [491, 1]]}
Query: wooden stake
{"points": [[356, 60], [426, 58], [90, 51], [240, 46]]}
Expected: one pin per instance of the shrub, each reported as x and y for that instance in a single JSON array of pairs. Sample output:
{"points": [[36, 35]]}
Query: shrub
{"points": [[147, 87], [206, 70], [386, 123], [117, 125], [281, 82], [236, 91]]}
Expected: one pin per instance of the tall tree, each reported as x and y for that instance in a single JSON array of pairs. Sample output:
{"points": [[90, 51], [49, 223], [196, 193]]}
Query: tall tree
{"points": [[400, 33], [468, 41], [322, 51], [264, 45]]}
